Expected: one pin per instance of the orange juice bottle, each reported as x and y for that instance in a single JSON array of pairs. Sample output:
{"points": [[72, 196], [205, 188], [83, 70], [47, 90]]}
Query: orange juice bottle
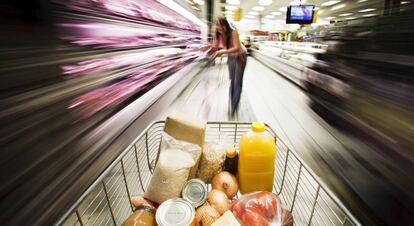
{"points": [[256, 160]]}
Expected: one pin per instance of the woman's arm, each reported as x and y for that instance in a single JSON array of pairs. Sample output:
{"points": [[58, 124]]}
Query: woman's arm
{"points": [[236, 45]]}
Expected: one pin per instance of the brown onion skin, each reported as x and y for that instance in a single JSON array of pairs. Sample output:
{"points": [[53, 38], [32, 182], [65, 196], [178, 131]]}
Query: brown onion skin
{"points": [[206, 215], [219, 200], [225, 182]]}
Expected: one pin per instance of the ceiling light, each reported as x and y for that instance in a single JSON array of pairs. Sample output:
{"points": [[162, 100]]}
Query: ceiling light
{"points": [[329, 3], [405, 2], [229, 12], [320, 12], [283, 9], [368, 15], [253, 13], [265, 2], [258, 8], [365, 10], [249, 16], [230, 7], [233, 2], [330, 18], [200, 2], [360, 1], [350, 18], [277, 13], [345, 14], [316, 8], [195, 8], [340, 6], [270, 16]]}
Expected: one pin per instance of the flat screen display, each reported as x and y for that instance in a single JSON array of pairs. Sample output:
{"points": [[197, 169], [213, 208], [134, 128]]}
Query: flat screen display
{"points": [[300, 14]]}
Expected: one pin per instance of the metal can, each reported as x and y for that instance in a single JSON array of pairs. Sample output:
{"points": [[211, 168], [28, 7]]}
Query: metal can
{"points": [[175, 212], [195, 191]]}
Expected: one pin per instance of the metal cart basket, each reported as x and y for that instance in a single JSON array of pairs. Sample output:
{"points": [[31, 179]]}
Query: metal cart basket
{"points": [[106, 202]]}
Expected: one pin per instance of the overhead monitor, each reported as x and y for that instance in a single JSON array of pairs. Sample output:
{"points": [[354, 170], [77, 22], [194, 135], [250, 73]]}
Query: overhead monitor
{"points": [[300, 14]]}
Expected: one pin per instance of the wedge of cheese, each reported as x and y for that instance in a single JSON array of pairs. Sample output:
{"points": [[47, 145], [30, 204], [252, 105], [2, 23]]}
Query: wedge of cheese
{"points": [[186, 128], [227, 219]]}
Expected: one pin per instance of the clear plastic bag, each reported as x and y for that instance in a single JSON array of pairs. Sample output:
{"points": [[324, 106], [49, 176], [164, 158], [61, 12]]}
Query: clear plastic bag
{"points": [[212, 160], [261, 209], [172, 170]]}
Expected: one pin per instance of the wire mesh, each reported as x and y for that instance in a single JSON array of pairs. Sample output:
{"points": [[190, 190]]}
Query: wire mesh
{"points": [[107, 201]]}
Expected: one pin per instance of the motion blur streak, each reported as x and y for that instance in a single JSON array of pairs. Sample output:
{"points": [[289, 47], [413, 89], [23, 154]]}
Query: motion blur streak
{"points": [[364, 86], [66, 67]]}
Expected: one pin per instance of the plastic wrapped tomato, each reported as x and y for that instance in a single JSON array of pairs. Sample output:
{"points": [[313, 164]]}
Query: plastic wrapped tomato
{"points": [[261, 209]]}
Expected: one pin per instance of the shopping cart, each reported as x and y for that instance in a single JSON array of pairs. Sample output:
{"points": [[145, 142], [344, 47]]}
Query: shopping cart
{"points": [[106, 202]]}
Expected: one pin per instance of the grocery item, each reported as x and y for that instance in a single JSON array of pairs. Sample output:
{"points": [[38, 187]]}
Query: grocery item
{"points": [[211, 162], [225, 182], [206, 215], [195, 192], [287, 217], [175, 212], [256, 160], [227, 219], [231, 162], [172, 170], [218, 200], [143, 216], [137, 201], [185, 128], [261, 208]]}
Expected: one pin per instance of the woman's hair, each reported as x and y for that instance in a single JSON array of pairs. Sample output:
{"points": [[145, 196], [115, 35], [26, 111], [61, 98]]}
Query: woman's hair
{"points": [[226, 32]]}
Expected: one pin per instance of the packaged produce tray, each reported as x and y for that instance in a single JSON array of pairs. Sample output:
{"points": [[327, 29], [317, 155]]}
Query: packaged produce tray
{"points": [[107, 200]]}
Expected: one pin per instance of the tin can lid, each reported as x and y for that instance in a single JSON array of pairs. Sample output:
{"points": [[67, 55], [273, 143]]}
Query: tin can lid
{"points": [[175, 212], [195, 191]]}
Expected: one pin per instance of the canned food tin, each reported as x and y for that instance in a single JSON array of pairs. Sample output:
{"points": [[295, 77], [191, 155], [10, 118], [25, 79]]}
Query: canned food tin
{"points": [[175, 212], [195, 191]]}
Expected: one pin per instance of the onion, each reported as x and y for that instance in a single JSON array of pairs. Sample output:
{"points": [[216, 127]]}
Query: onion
{"points": [[225, 182], [219, 201], [206, 215]]}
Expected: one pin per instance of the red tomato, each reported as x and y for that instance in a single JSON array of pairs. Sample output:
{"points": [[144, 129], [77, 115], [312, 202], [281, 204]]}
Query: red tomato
{"points": [[251, 218], [238, 208], [268, 203]]}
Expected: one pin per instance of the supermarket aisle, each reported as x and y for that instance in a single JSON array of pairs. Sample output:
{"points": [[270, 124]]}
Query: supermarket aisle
{"points": [[267, 97]]}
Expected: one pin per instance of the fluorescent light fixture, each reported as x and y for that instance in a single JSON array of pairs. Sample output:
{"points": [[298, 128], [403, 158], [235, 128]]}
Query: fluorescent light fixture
{"points": [[316, 8], [230, 7], [253, 13], [233, 2], [270, 16], [283, 9], [405, 2], [277, 13], [350, 18], [258, 8], [365, 10], [329, 3], [329, 18], [320, 12], [345, 14], [249, 16], [180, 10], [195, 8], [340, 6], [265, 2], [369, 15], [360, 1], [229, 13], [200, 2]]}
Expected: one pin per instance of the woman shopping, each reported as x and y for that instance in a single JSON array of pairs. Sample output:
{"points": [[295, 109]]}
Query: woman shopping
{"points": [[226, 41]]}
